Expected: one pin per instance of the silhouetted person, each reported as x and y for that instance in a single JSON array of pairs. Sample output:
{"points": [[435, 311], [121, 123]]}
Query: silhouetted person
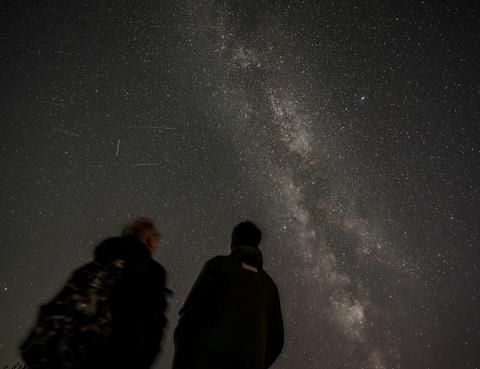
{"points": [[140, 299], [110, 313], [232, 317]]}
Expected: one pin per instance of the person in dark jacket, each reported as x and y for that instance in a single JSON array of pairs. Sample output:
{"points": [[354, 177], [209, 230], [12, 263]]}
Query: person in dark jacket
{"points": [[232, 317], [139, 298], [111, 312]]}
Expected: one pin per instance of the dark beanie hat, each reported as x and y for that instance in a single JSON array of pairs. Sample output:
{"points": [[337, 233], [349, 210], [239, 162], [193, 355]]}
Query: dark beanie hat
{"points": [[246, 234]]}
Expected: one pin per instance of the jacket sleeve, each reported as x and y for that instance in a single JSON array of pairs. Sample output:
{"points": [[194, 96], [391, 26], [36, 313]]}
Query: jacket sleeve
{"points": [[275, 333], [156, 320], [196, 314]]}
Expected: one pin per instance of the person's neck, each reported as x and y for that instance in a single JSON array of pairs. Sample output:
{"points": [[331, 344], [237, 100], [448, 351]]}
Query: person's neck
{"points": [[240, 247], [149, 248]]}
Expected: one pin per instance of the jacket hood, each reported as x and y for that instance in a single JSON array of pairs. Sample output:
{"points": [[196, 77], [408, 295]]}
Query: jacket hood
{"points": [[248, 254], [125, 247]]}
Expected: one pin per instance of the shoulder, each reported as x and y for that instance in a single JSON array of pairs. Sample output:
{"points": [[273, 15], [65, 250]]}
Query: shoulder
{"points": [[217, 262], [214, 265], [271, 283], [84, 271]]}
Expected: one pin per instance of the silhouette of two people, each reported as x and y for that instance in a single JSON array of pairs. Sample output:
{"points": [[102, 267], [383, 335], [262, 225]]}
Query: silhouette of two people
{"points": [[111, 312]]}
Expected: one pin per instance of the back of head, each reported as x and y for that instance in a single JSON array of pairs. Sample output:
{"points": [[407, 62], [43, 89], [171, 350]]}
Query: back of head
{"points": [[139, 228], [246, 234]]}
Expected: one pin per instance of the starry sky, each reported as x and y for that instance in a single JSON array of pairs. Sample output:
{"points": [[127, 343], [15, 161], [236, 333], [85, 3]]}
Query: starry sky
{"points": [[347, 130]]}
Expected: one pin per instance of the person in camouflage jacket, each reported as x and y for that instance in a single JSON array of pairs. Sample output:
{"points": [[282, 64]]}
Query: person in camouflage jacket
{"points": [[110, 313]]}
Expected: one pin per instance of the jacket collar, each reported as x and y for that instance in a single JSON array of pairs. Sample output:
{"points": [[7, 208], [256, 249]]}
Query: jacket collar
{"points": [[248, 254], [125, 247]]}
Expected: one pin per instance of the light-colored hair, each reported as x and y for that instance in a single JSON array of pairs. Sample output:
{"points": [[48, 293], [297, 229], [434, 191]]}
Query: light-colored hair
{"points": [[138, 227]]}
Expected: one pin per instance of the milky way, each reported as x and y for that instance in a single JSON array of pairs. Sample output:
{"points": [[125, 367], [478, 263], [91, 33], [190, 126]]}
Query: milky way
{"points": [[254, 85], [346, 131]]}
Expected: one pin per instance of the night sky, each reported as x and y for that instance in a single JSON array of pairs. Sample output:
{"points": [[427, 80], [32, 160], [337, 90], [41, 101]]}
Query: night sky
{"points": [[347, 130]]}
